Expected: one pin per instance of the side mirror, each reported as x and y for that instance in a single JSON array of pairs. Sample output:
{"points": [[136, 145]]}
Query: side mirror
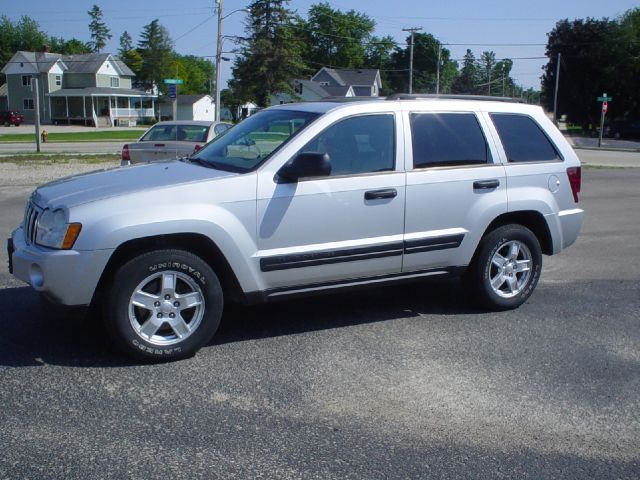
{"points": [[306, 164]]}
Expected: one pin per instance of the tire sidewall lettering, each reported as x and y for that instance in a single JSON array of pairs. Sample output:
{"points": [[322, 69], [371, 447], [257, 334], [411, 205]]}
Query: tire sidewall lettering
{"points": [[178, 266]]}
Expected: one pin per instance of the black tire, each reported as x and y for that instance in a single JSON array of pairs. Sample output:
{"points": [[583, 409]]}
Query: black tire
{"points": [[152, 274], [514, 288]]}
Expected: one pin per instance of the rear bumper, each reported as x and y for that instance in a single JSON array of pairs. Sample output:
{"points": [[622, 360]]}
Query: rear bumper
{"points": [[68, 277], [570, 224]]}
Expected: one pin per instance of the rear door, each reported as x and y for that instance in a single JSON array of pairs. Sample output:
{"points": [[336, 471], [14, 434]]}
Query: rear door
{"points": [[455, 187]]}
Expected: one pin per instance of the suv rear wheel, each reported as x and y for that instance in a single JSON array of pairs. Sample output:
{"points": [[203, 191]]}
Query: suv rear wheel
{"points": [[163, 305], [506, 268]]}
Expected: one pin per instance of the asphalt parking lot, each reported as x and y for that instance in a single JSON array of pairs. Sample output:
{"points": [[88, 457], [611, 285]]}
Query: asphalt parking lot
{"points": [[403, 382]]}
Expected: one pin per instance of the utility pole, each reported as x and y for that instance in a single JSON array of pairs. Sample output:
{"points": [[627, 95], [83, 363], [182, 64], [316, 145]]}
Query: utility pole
{"points": [[412, 30], [555, 93], [438, 69], [218, 59], [36, 109]]}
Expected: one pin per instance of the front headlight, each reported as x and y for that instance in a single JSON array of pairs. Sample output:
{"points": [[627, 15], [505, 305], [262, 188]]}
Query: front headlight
{"points": [[53, 231]]}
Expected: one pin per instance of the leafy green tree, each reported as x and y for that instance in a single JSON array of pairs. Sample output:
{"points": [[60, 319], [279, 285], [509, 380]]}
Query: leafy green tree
{"points": [[25, 34], [590, 65], [99, 30], [197, 73], [271, 57], [486, 69], [336, 38], [156, 50], [68, 47]]}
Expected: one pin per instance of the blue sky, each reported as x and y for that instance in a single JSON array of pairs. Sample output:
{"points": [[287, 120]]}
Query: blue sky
{"points": [[485, 25]]}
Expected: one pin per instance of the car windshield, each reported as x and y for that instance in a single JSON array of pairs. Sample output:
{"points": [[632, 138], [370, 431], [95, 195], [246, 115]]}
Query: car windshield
{"points": [[173, 132], [248, 144]]}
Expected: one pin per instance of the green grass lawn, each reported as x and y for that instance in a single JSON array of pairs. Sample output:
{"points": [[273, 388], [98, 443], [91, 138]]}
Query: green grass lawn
{"points": [[101, 136], [49, 159]]}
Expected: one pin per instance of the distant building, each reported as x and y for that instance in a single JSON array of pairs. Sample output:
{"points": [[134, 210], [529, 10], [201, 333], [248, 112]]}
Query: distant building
{"points": [[91, 89], [190, 107], [331, 82]]}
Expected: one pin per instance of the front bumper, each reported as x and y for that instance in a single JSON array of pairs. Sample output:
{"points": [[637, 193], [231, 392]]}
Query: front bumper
{"points": [[68, 277]]}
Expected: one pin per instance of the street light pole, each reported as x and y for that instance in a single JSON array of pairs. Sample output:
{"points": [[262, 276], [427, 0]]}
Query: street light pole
{"points": [[218, 60], [555, 93]]}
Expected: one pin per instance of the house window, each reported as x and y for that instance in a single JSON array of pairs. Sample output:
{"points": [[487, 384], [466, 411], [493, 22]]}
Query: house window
{"points": [[58, 80], [27, 103], [115, 82], [26, 80], [324, 84]]}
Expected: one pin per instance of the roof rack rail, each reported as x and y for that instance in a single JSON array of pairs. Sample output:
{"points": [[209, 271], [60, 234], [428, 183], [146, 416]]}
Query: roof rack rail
{"points": [[431, 96], [348, 99]]}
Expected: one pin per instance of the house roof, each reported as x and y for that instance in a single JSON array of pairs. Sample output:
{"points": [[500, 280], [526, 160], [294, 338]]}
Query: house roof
{"points": [[3, 90], [99, 92], [91, 63], [315, 87], [360, 76], [337, 91], [83, 63]]}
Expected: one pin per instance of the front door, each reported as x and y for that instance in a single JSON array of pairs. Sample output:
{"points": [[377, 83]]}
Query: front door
{"points": [[341, 227]]}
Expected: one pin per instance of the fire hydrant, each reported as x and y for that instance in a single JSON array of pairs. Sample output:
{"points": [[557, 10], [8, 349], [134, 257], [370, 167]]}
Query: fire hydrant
{"points": [[44, 136]]}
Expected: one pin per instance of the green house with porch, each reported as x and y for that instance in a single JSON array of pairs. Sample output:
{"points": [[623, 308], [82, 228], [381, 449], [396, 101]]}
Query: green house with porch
{"points": [[89, 89]]}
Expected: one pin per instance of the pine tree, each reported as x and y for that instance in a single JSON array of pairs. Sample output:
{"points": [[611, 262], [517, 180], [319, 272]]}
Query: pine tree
{"points": [[126, 43], [467, 80], [156, 49], [99, 30], [272, 55]]}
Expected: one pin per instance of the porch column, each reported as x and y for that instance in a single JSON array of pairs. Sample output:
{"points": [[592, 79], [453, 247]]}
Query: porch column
{"points": [[94, 116], [84, 110], [50, 112], [66, 100]]}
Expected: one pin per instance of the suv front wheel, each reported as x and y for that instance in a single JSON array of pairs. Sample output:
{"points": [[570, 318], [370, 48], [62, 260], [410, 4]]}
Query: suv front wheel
{"points": [[163, 305], [505, 269]]}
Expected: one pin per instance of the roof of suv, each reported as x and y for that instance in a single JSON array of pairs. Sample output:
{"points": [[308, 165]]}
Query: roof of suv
{"points": [[330, 103]]}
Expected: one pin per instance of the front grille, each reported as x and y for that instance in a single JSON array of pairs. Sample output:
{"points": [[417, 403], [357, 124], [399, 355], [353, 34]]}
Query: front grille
{"points": [[31, 215]]}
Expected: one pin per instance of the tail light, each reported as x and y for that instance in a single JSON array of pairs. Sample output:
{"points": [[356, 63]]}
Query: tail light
{"points": [[198, 147], [125, 153], [575, 180]]}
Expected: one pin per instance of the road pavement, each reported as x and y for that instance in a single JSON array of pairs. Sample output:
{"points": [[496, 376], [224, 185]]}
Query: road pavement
{"points": [[403, 382]]}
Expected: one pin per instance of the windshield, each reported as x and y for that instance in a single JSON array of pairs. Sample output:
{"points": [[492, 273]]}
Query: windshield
{"points": [[180, 133], [243, 147]]}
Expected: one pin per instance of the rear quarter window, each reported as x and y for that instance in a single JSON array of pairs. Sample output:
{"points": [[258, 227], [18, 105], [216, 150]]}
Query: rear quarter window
{"points": [[523, 139]]}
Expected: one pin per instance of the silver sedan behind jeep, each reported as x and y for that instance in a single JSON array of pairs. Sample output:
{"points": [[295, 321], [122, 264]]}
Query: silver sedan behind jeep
{"points": [[302, 199], [173, 139]]}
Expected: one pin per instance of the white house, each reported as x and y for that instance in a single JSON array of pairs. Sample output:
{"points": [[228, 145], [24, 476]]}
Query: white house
{"points": [[190, 107]]}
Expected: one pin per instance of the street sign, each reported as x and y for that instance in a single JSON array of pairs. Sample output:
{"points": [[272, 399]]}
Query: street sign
{"points": [[172, 81], [604, 98], [172, 91]]}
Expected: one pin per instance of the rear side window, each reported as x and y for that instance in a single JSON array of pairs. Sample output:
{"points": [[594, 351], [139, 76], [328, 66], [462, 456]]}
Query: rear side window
{"points": [[447, 139], [523, 139]]}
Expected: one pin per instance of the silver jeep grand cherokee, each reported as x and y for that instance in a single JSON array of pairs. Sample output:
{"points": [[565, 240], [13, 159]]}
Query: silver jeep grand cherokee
{"points": [[307, 198]]}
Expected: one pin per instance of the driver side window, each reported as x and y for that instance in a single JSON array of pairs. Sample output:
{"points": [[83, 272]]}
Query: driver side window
{"points": [[361, 144]]}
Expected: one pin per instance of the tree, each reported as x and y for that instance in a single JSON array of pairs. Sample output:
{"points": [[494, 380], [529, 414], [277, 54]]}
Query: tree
{"points": [[99, 30], [25, 34], [425, 66], [156, 51], [468, 79], [126, 43], [486, 69], [336, 38], [197, 73], [68, 47], [590, 65], [271, 57]]}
